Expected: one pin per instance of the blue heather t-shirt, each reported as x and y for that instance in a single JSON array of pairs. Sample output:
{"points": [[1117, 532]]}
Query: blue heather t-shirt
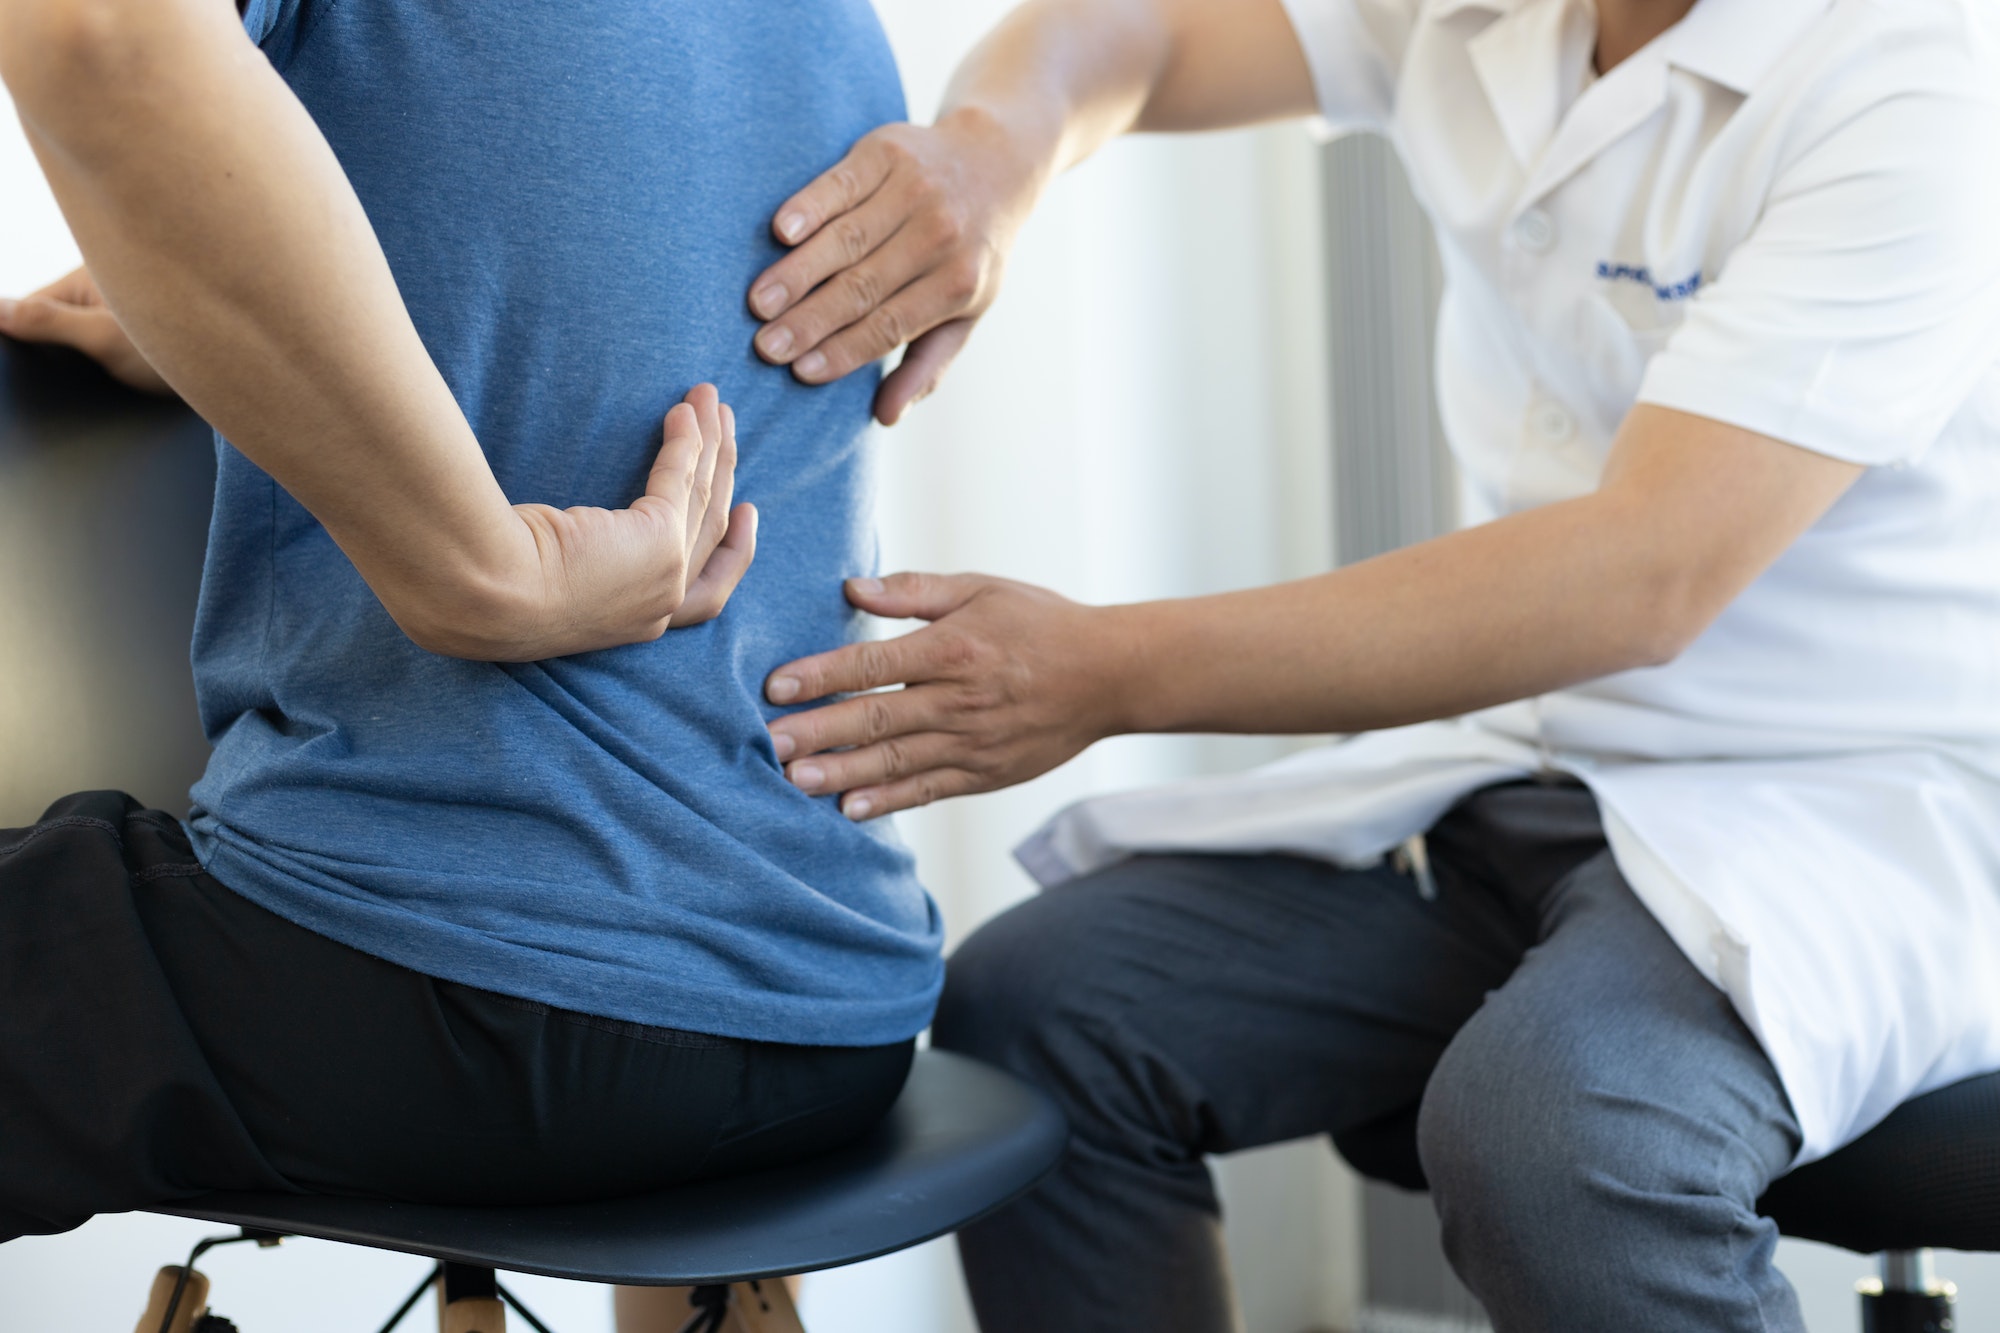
{"points": [[574, 200]]}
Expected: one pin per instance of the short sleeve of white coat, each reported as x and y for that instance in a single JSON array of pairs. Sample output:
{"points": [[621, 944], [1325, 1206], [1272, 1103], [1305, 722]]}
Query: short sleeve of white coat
{"points": [[1354, 48], [1863, 307]]}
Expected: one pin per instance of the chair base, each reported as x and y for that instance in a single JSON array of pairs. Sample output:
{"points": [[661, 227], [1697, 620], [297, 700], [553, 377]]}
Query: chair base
{"points": [[1908, 1297], [1906, 1311], [470, 1299]]}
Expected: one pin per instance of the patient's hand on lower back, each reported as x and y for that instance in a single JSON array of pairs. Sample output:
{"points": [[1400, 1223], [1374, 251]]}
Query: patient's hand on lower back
{"points": [[574, 580], [71, 312], [583, 578]]}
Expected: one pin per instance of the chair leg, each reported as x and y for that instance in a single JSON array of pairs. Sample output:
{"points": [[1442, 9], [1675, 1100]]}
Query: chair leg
{"points": [[764, 1307], [469, 1301], [1907, 1297], [193, 1303], [754, 1307]]}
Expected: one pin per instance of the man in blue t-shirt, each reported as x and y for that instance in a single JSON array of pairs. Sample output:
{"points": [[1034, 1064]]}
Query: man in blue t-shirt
{"points": [[494, 888]]}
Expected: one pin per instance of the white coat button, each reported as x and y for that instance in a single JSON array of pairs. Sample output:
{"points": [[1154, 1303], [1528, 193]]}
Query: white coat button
{"points": [[1553, 423], [1535, 232]]}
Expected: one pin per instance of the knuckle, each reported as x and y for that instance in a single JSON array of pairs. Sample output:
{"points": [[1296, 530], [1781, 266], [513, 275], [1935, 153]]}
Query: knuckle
{"points": [[943, 224], [850, 239], [962, 282], [888, 326], [846, 184], [895, 758], [861, 289], [870, 660], [959, 653], [877, 719]]}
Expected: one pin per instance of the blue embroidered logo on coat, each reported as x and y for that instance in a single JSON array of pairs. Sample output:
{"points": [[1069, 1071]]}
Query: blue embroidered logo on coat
{"points": [[1639, 273]]}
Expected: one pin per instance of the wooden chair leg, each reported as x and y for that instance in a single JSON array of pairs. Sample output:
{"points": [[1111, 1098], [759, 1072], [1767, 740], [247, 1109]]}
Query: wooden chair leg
{"points": [[754, 1307], [764, 1307], [193, 1304], [469, 1302]]}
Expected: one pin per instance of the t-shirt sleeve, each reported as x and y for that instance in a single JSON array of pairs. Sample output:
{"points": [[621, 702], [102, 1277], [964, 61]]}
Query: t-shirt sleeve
{"points": [[1863, 308], [1355, 48]]}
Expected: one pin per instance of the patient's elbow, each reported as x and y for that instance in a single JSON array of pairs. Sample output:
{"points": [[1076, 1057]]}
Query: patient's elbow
{"points": [[56, 54]]}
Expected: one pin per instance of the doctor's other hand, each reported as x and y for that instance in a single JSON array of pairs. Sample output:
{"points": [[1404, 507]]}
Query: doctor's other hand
{"points": [[71, 312], [901, 241], [1007, 682]]}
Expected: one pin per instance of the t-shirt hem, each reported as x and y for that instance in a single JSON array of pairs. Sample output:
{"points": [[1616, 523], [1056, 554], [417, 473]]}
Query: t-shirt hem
{"points": [[619, 994]]}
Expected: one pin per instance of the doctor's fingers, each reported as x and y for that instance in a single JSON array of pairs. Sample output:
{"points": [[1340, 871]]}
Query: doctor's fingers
{"points": [[928, 303], [873, 765], [851, 241], [870, 665], [841, 188], [922, 789]]}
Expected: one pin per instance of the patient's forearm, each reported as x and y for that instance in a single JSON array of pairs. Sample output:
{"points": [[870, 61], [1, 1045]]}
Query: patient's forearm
{"points": [[228, 241]]}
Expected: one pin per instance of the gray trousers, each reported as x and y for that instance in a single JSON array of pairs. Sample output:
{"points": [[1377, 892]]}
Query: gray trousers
{"points": [[1594, 1119]]}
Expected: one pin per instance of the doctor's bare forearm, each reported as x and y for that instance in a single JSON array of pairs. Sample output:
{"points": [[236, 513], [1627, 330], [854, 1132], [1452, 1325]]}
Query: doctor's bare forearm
{"points": [[1069, 75], [1690, 512], [225, 236]]}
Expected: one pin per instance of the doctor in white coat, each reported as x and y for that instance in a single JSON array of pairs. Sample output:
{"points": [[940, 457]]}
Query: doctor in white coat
{"points": [[1697, 720]]}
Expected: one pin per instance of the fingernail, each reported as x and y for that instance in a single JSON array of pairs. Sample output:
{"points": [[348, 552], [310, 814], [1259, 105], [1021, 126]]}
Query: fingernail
{"points": [[775, 342], [770, 299], [812, 363], [807, 776], [857, 807], [867, 587], [791, 225], [782, 689], [784, 745]]}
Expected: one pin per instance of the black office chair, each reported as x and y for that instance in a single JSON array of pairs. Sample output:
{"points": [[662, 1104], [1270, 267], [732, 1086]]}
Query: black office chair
{"points": [[1928, 1177], [961, 1141]]}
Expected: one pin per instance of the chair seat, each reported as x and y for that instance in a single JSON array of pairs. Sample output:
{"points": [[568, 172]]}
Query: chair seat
{"points": [[1928, 1177], [962, 1140]]}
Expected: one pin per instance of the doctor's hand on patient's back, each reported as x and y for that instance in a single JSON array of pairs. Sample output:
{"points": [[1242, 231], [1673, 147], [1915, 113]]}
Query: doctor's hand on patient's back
{"points": [[71, 312], [1006, 682], [901, 241]]}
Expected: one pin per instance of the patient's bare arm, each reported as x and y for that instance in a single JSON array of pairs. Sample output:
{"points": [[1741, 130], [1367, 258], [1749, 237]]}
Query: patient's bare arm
{"points": [[232, 249]]}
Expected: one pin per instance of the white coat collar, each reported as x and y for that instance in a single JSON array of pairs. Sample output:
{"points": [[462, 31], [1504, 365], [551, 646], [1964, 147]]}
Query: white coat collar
{"points": [[1518, 54]]}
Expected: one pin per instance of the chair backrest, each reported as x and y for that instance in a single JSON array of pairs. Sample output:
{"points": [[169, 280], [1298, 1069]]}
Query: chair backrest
{"points": [[104, 503]]}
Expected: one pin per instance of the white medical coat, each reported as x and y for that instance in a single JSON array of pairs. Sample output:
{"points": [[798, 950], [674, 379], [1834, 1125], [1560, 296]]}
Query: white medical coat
{"points": [[1784, 215]]}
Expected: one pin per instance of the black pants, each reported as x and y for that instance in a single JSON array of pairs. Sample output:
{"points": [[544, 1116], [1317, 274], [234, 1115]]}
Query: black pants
{"points": [[161, 1036]]}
